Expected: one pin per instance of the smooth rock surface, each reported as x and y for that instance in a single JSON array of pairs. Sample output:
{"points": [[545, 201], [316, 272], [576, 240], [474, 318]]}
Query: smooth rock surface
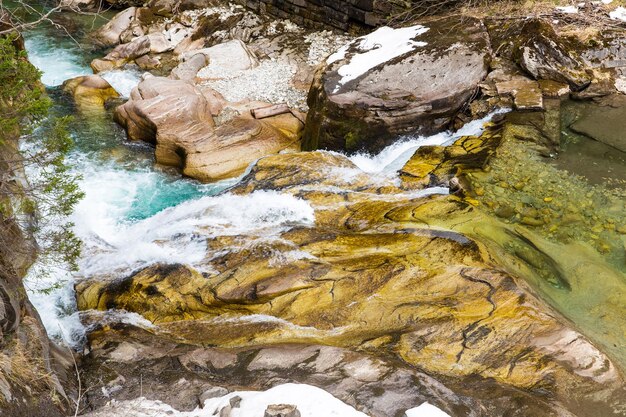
{"points": [[605, 123], [177, 118], [90, 91]]}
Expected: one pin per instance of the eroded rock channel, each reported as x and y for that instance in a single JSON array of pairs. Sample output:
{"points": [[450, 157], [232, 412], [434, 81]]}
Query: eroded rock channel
{"points": [[410, 217]]}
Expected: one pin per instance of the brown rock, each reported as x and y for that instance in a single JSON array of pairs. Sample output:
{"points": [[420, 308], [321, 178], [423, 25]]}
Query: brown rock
{"points": [[122, 54], [176, 117], [110, 34]]}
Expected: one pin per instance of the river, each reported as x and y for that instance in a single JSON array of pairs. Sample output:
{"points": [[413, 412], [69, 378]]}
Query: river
{"points": [[135, 213]]}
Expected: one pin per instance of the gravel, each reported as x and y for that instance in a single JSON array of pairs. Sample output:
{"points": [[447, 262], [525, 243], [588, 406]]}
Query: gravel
{"points": [[269, 82], [323, 44]]}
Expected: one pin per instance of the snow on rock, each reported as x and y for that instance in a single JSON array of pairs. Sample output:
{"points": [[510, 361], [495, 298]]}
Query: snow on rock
{"points": [[426, 410], [376, 48], [618, 14], [311, 402]]}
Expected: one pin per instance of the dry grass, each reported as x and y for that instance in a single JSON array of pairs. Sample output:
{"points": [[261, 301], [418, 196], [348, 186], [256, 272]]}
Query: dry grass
{"points": [[22, 363], [585, 24]]}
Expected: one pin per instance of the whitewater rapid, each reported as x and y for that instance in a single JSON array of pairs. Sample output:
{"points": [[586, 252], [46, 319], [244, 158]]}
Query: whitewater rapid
{"points": [[135, 214]]}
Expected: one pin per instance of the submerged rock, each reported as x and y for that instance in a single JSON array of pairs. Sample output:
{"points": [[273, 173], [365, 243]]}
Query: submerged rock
{"points": [[396, 81], [604, 121]]}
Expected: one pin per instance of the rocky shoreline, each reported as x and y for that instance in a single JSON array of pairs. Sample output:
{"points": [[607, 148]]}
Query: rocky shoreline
{"points": [[479, 276]]}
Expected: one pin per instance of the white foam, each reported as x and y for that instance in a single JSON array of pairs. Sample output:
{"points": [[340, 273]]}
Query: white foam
{"points": [[375, 48], [396, 155], [123, 80], [51, 291], [56, 62], [179, 234]]}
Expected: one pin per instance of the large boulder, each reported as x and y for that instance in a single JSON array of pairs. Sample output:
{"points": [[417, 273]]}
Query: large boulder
{"points": [[413, 79], [110, 34], [90, 91], [141, 47], [177, 118], [545, 55], [123, 54], [226, 57], [240, 142], [161, 110]]}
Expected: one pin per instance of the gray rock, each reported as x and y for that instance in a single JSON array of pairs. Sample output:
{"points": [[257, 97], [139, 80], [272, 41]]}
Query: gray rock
{"points": [[235, 401], [214, 392], [282, 410], [544, 55], [418, 91]]}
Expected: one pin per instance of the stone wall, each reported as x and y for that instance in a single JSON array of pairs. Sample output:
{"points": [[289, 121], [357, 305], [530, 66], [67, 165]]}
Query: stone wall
{"points": [[341, 14]]}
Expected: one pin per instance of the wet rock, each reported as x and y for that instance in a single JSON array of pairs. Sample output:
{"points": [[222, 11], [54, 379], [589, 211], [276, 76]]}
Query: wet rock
{"points": [[281, 410], [364, 97], [90, 91], [399, 296], [437, 165]]}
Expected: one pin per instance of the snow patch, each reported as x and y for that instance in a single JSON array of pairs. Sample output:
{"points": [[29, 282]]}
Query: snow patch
{"points": [[618, 14], [376, 48], [426, 410], [568, 9], [311, 402]]}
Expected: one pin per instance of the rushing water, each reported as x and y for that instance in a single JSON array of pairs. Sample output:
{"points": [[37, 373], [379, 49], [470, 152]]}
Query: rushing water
{"points": [[135, 214], [121, 185]]}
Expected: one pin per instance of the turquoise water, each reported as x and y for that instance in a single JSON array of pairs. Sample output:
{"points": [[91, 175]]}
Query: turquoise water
{"points": [[123, 187]]}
